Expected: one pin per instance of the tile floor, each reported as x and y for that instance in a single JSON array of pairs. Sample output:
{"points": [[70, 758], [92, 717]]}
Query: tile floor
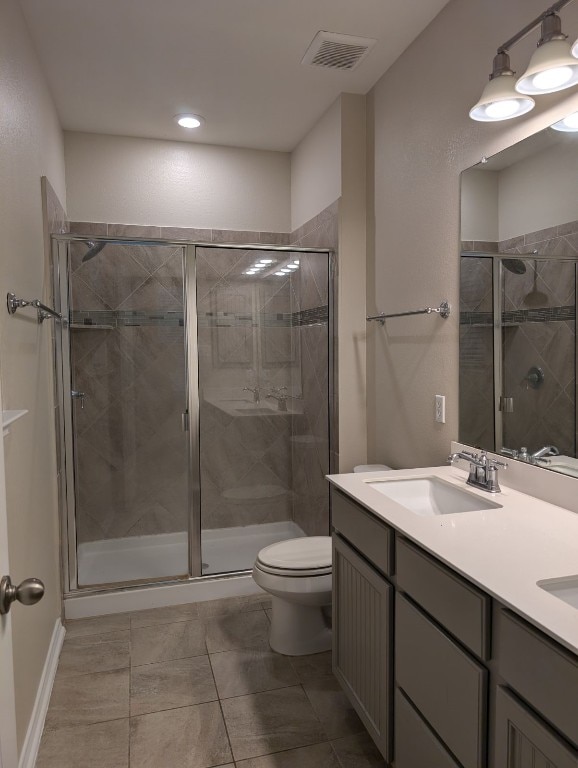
{"points": [[196, 686]]}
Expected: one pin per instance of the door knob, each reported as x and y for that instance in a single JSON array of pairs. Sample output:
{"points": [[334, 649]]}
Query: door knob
{"points": [[29, 592]]}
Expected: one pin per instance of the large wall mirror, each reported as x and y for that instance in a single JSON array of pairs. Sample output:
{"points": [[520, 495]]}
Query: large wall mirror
{"points": [[518, 292]]}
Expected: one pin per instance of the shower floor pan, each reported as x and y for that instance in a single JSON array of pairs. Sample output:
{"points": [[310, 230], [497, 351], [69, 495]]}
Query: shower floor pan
{"points": [[151, 557]]}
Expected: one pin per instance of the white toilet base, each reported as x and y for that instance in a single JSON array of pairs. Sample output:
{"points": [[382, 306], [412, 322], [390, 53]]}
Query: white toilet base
{"points": [[297, 629]]}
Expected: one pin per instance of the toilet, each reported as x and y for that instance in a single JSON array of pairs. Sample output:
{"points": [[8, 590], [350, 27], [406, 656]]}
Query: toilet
{"points": [[297, 575]]}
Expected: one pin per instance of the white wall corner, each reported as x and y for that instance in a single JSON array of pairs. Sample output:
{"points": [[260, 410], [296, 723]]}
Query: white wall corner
{"points": [[31, 744]]}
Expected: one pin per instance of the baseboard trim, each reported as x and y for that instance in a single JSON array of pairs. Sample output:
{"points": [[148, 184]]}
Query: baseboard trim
{"points": [[31, 744]]}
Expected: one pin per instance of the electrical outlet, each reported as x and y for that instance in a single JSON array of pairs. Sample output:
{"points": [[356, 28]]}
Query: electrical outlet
{"points": [[440, 409]]}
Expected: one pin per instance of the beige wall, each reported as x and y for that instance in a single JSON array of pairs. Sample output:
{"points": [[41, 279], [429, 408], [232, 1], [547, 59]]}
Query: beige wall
{"points": [[316, 168], [423, 140], [31, 146], [539, 191], [176, 184], [351, 323], [479, 206]]}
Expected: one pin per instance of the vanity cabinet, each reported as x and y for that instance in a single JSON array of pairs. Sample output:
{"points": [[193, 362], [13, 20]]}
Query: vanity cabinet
{"points": [[523, 740], [362, 611], [441, 674]]}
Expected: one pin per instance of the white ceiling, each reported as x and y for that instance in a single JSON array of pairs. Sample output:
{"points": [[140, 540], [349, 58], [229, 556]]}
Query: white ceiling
{"points": [[126, 67]]}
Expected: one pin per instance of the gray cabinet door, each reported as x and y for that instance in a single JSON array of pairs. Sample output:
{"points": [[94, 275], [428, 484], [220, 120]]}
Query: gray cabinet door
{"points": [[362, 614], [522, 740]]}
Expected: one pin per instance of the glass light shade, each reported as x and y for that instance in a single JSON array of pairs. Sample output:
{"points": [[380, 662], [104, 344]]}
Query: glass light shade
{"points": [[499, 101], [552, 68], [568, 124], [575, 49]]}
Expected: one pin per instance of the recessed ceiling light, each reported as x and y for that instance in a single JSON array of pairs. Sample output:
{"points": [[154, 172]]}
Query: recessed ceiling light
{"points": [[189, 121], [285, 271], [265, 261], [281, 274], [292, 266], [296, 262], [251, 272]]}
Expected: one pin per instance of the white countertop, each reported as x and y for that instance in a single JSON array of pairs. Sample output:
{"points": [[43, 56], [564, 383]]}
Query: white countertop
{"points": [[504, 551]]}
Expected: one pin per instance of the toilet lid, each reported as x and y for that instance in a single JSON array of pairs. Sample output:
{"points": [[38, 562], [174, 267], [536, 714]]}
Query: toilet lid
{"points": [[309, 553]]}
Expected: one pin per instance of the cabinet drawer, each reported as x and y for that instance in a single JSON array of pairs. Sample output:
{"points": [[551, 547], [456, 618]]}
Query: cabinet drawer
{"points": [[446, 685], [368, 535], [415, 743], [522, 740], [460, 607], [542, 672]]}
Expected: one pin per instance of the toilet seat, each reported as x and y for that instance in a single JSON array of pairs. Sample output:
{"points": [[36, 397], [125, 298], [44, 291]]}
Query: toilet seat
{"points": [[306, 556]]}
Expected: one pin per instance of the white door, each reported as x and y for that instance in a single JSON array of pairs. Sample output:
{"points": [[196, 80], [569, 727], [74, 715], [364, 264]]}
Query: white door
{"points": [[8, 748]]}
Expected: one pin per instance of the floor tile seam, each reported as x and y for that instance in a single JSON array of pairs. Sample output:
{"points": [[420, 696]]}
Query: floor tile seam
{"points": [[167, 661], [175, 658], [72, 675], [257, 647], [171, 709], [288, 749], [229, 742], [321, 725], [96, 634], [255, 693], [164, 623], [52, 729]]}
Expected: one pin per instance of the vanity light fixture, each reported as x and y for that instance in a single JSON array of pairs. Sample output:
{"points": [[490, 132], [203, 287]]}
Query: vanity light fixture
{"points": [[569, 124], [575, 49], [499, 99], [189, 121], [552, 68]]}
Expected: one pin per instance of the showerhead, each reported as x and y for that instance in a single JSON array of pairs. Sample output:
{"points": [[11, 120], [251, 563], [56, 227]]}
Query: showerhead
{"points": [[94, 248], [515, 266]]}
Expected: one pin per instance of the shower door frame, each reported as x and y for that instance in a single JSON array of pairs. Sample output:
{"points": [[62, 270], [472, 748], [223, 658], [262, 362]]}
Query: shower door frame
{"points": [[191, 417]]}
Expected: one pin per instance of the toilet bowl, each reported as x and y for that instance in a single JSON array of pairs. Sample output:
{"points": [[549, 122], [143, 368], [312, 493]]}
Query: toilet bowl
{"points": [[297, 575]]}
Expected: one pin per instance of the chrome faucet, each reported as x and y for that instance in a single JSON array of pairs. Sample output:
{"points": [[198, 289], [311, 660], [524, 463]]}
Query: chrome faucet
{"points": [[256, 390], [547, 450], [483, 471], [278, 393]]}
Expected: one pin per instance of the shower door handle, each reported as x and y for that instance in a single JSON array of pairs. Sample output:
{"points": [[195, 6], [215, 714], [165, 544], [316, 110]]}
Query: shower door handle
{"points": [[185, 421], [76, 395]]}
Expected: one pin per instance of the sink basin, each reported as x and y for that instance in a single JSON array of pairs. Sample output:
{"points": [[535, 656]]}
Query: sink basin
{"points": [[565, 589], [256, 411], [429, 496]]}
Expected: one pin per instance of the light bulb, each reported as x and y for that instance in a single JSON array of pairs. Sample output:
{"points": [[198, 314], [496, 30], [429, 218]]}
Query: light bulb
{"points": [[500, 110], [552, 78], [568, 124]]}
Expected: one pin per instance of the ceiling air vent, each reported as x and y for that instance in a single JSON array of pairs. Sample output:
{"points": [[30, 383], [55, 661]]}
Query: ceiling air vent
{"points": [[334, 51]]}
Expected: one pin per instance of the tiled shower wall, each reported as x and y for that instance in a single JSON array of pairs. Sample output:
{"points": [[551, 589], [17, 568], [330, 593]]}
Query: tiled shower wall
{"points": [[311, 444], [130, 454], [539, 318]]}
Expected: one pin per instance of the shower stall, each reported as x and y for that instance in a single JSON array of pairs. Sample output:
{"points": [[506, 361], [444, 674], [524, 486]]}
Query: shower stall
{"points": [[194, 385]]}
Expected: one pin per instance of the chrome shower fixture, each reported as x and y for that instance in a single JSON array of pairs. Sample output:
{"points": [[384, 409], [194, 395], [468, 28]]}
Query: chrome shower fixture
{"points": [[94, 248], [553, 67]]}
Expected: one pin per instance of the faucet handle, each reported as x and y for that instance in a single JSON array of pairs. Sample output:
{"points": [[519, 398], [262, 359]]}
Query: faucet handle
{"points": [[495, 464]]}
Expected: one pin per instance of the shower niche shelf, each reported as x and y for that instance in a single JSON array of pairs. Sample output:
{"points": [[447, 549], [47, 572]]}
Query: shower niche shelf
{"points": [[8, 418]]}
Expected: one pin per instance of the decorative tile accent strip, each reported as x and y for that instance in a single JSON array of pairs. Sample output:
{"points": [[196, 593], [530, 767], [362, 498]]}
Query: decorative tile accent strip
{"points": [[518, 316], [112, 319]]}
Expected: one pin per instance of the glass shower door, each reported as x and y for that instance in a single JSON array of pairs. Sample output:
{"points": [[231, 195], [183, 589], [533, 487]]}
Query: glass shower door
{"points": [[128, 396], [263, 370], [538, 319]]}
